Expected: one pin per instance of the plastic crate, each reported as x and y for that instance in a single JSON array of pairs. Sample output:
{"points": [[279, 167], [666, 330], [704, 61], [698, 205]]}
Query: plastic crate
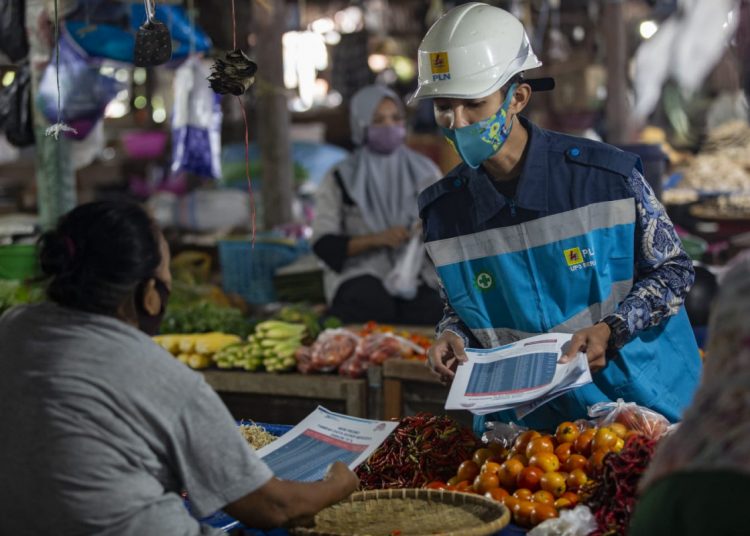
{"points": [[248, 271]]}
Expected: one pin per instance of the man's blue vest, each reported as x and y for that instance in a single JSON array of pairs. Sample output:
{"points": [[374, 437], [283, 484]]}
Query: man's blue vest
{"points": [[557, 258]]}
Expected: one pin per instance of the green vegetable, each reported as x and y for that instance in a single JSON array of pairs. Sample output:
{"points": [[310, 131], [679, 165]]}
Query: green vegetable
{"points": [[203, 317]]}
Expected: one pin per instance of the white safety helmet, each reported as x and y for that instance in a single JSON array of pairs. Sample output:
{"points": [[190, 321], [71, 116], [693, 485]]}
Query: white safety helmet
{"points": [[472, 51]]}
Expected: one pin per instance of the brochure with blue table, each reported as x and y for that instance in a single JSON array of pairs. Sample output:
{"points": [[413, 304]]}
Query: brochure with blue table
{"points": [[520, 376], [306, 451]]}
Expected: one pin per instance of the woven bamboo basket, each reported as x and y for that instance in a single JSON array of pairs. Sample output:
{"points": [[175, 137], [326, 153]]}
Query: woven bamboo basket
{"points": [[409, 512]]}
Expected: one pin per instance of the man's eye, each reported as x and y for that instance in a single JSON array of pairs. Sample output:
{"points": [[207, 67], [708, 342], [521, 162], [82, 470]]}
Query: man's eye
{"points": [[475, 104]]}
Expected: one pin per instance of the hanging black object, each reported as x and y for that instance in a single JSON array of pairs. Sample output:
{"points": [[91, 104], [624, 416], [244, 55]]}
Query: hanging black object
{"points": [[234, 74], [15, 108], [153, 44], [13, 41]]}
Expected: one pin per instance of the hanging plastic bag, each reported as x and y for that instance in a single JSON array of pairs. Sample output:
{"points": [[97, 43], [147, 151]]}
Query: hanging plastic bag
{"points": [[84, 91], [196, 122], [15, 108], [13, 41], [642, 420], [403, 280]]}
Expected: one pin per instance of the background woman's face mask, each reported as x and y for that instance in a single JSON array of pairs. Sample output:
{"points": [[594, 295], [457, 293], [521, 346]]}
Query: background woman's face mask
{"points": [[477, 142], [385, 139], [148, 323]]}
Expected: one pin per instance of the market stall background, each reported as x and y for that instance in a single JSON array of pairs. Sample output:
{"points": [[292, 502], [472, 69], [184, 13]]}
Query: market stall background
{"points": [[158, 134]]}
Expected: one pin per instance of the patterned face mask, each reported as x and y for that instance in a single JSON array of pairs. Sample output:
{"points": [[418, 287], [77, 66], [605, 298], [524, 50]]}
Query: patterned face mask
{"points": [[477, 142]]}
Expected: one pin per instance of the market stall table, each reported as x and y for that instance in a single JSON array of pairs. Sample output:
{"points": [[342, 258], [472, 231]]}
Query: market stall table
{"points": [[410, 387], [286, 398]]}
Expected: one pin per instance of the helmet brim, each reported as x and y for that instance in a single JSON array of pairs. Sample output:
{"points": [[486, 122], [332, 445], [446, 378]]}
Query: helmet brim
{"points": [[457, 90]]}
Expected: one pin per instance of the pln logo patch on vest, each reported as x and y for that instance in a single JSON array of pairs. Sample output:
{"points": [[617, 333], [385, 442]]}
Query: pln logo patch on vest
{"points": [[439, 66], [577, 258]]}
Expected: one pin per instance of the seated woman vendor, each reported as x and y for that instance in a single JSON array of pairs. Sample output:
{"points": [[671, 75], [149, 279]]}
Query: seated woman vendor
{"points": [[101, 428], [366, 211]]}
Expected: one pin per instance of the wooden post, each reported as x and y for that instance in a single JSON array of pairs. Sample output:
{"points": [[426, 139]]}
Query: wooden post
{"points": [[618, 124], [273, 114], [55, 178]]}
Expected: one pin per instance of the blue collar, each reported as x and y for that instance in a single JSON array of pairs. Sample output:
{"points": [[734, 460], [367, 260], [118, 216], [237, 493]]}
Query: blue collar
{"points": [[532, 191]]}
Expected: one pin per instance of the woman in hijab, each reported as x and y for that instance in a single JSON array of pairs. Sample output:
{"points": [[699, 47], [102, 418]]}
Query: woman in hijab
{"points": [[367, 212], [704, 466]]}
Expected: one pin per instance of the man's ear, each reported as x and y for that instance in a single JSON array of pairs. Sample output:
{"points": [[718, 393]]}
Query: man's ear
{"points": [[151, 299], [520, 98]]}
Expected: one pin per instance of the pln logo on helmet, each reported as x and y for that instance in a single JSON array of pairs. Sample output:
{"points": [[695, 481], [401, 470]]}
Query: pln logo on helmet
{"points": [[439, 66]]}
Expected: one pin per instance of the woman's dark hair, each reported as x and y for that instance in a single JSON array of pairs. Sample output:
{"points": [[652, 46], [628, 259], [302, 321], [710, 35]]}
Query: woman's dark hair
{"points": [[98, 254]]}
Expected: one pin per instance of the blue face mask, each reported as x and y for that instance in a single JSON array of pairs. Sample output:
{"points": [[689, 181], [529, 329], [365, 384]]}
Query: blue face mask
{"points": [[477, 142]]}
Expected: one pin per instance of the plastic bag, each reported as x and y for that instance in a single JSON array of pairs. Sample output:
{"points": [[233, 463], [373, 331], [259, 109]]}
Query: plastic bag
{"points": [[403, 280], [106, 38], [196, 122], [15, 108], [84, 91], [576, 522], [501, 433], [378, 347], [303, 355], [332, 348], [354, 367], [643, 420], [13, 41]]}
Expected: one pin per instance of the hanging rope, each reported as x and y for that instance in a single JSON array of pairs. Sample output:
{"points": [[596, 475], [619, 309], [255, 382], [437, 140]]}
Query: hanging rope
{"points": [[58, 127]]}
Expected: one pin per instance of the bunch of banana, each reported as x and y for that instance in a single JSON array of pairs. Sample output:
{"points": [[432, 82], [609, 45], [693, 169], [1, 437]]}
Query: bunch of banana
{"points": [[277, 341], [195, 349], [244, 355]]}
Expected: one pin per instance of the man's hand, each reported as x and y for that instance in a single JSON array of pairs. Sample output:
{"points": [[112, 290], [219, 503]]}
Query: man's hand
{"points": [[591, 340], [445, 355], [392, 237]]}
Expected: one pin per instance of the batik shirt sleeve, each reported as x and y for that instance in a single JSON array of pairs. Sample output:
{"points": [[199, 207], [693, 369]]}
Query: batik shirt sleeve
{"points": [[663, 271], [452, 322]]}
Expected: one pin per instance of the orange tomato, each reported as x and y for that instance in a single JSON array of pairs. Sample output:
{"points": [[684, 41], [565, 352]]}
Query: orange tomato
{"points": [[572, 497], [563, 503], [497, 493], [508, 473], [604, 439], [521, 458], [468, 470], [522, 512], [510, 502], [563, 451], [619, 444], [619, 429], [576, 461], [567, 432], [542, 512], [576, 479], [544, 497], [582, 444], [484, 482], [595, 461], [529, 478], [522, 494], [436, 484], [553, 482], [452, 481], [464, 485], [490, 467], [540, 444], [522, 440], [498, 450], [481, 455], [546, 461]]}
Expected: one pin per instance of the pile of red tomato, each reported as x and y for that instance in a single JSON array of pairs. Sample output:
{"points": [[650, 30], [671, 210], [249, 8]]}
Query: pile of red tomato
{"points": [[540, 474]]}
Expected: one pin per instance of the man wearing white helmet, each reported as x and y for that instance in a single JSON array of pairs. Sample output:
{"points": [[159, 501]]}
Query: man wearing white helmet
{"points": [[542, 232]]}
